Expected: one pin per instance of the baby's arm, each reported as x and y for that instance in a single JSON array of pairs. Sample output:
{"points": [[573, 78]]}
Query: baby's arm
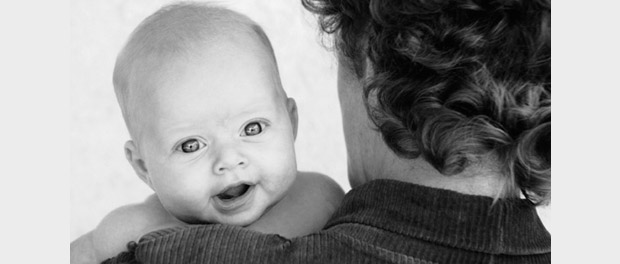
{"points": [[119, 227], [82, 249], [309, 204]]}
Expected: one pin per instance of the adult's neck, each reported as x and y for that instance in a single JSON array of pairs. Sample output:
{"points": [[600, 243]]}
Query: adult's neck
{"points": [[381, 163], [475, 180]]}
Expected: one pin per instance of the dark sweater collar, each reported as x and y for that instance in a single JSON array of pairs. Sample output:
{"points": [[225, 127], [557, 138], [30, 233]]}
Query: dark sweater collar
{"points": [[510, 226]]}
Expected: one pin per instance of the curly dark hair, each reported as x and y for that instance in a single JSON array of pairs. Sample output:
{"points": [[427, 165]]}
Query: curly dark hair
{"points": [[454, 81]]}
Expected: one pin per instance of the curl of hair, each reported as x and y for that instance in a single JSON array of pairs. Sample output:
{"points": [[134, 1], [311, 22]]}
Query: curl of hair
{"points": [[454, 81]]}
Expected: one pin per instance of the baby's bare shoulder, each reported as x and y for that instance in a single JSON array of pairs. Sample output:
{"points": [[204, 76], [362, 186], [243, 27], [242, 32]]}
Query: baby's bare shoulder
{"points": [[309, 204], [319, 186], [133, 215], [316, 179], [127, 223]]}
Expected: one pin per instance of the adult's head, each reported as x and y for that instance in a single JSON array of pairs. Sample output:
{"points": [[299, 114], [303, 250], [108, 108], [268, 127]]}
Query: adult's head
{"points": [[212, 129], [459, 92]]}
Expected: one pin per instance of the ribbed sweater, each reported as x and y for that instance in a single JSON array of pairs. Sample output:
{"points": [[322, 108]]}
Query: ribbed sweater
{"points": [[382, 221]]}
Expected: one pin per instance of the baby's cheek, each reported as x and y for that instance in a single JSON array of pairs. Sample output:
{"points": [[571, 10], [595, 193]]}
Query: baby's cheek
{"points": [[180, 185]]}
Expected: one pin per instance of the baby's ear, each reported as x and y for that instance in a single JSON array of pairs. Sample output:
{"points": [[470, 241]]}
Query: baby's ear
{"points": [[291, 106], [132, 153]]}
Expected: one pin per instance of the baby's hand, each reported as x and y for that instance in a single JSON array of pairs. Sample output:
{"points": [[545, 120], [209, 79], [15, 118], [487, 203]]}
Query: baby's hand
{"points": [[123, 225], [82, 250]]}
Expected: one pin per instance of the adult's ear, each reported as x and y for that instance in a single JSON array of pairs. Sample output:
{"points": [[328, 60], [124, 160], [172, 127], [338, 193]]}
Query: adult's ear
{"points": [[291, 106], [133, 155]]}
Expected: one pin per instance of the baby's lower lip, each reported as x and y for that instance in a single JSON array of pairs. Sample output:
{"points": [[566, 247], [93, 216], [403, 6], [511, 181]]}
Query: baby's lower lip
{"points": [[230, 202], [234, 192]]}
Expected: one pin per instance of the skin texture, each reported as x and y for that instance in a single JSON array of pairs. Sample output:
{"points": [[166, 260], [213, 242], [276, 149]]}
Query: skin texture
{"points": [[227, 103], [210, 102], [201, 95]]}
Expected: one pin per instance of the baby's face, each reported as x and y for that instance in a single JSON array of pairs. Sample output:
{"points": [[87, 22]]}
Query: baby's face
{"points": [[217, 138]]}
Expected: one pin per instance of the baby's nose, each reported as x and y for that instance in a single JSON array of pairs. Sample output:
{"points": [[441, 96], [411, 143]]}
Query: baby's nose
{"points": [[228, 160]]}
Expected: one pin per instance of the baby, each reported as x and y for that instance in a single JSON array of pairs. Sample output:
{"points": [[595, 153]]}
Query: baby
{"points": [[212, 133]]}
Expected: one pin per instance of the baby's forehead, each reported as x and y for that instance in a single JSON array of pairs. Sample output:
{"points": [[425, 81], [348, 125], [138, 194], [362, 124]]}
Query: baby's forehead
{"points": [[229, 72], [174, 37], [212, 45], [227, 61], [192, 29], [206, 107]]}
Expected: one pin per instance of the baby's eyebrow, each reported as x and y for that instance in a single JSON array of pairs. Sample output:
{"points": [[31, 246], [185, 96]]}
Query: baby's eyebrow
{"points": [[178, 131], [256, 110]]}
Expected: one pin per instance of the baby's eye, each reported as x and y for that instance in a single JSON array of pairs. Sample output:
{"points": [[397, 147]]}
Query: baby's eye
{"points": [[191, 145], [253, 129]]}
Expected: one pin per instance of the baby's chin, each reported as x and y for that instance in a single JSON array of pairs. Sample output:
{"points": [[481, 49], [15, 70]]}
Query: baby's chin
{"points": [[243, 219]]}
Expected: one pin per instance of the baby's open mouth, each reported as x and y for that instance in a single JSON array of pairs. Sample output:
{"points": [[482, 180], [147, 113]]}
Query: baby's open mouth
{"points": [[234, 192]]}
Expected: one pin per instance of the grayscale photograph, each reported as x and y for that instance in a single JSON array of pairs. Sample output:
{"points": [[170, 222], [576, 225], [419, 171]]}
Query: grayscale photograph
{"points": [[310, 131]]}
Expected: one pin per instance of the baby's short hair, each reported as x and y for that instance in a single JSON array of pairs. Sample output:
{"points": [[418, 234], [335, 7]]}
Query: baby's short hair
{"points": [[174, 31]]}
